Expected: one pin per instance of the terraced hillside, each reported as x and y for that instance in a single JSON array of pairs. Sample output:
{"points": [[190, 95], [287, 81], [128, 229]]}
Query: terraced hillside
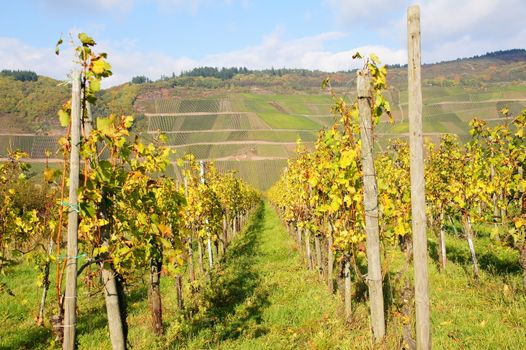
{"points": [[251, 124], [449, 109], [253, 134]]}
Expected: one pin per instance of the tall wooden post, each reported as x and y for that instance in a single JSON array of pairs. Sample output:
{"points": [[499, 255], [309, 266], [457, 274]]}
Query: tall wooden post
{"points": [[189, 242], [209, 240], [330, 258], [418, 202], [111, 285], [370, 198], [347, 290], [70, 298]]}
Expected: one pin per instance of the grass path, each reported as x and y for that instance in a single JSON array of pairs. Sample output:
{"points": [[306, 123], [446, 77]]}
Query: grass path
{"points": [[278, 304], [262, 297], [268, 299]]}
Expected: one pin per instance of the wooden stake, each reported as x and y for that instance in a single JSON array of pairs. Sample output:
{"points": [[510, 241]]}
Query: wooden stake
{"points": [[209, 240], [70, 298], [308, 253], [317, 247], [189, 241], [468, 231], [330, 259], [442, 241], [45, 287], [370, 198], [416, 151], [110, 280], [347, 290]]}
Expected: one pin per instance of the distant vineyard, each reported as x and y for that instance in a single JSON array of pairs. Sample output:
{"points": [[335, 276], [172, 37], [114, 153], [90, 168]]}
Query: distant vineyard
{"points": [[35, 146], [181, 138], [239, 151], [205, 122], [188, 106]]}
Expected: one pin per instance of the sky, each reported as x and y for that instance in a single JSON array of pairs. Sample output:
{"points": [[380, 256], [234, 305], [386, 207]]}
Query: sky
{"points": [[161, 37]]}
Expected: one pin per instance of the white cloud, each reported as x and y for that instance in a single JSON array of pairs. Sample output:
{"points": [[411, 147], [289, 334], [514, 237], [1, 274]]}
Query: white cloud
{"points": [[15, 54], [117, 6], [305, 52], [450, 28], [128, 61], [195, 5]]}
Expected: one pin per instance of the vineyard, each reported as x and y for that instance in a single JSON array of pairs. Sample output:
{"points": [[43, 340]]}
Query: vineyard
{"points": [[358, 218], [472, 190], [124, 219], [252, 117]]}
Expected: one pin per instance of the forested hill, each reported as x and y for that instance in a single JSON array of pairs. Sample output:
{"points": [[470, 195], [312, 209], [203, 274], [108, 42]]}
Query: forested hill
{"points": [[29, 105]]}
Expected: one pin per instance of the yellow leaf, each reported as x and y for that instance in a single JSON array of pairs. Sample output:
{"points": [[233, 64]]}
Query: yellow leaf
{"points": [[49, 174]]}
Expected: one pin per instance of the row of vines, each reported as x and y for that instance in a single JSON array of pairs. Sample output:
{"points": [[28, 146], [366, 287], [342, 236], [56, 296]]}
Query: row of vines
{"points": [[133, 221], [320, 198]]}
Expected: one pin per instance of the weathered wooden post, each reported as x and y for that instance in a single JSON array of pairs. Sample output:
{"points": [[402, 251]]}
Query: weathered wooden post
{"points": [[330, 257], [189, 242], [418, 202], [111, 285], [70, 298], [347, 289], [209, 240], [370, 198]]}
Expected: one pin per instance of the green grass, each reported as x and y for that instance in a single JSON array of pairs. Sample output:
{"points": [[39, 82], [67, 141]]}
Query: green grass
{"points": [[262, 297], [258, 173], [277, 303]]}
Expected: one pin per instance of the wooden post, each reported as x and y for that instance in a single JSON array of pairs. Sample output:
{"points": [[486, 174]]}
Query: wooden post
{"points": [[209, 240], [89, 121], [116, 321], [442, 241], [70, 298], [45, 286], [189, 241], [330, 259], [468, 231], [308, 253], [418, 202], [113, 296], [179, 290], [347, 290], [154, 296], [317, 247], [225, 232], [200, 255], [370, 198]]}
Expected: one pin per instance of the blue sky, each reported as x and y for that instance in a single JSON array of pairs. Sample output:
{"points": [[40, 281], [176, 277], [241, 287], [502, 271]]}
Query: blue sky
{"points": [[154, 37]]}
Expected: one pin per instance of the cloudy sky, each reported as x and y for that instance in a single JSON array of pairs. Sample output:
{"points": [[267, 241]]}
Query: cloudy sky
{"points": [[155, 37]]}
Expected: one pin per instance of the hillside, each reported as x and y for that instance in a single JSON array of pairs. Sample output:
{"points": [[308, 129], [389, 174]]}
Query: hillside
{"points": [[250, 122], [30, 106]]}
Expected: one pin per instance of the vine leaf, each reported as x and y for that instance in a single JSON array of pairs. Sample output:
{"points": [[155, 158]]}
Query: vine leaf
{"points": [[86, 40]]}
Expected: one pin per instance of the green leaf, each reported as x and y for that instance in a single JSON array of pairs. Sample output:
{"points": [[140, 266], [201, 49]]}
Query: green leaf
{"points": [[101, 67], [57, 46], [105, 125], [128, 122], [94, 86], [86, 40], [375, 59], [64, 118]]}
